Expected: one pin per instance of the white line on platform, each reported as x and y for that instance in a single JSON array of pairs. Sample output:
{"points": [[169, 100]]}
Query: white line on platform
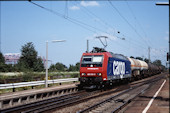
{"points": [[150, 102]]}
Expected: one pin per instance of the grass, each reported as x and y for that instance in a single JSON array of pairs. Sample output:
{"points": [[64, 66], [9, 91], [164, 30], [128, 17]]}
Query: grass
{"points": [[33, 76]]}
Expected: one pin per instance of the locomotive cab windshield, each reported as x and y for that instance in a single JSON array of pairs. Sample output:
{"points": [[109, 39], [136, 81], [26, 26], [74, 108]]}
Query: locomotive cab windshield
{"points": [[92, 61]]}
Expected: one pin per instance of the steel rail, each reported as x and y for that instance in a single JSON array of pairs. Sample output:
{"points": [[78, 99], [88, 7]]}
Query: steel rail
{"points": [[33, 97], [59, 103], [82, 98], [126, 103], [121, 93], [42, 102]]}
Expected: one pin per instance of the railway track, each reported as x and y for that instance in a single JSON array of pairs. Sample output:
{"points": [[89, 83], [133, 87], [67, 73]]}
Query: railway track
{"points": [[40, 103], [83, 96], [106, 93], [72, 100], [59, 102], [32, 96], [117, 102]]}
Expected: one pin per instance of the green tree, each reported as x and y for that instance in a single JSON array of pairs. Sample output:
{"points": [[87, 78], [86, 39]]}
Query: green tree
{"points": [[2, 59], [58, 67], [29, 59], [77, 66], [74, 68], [38, 65], [52, 67], [146, 60], [157, 62], [132, 57], [139, 58], [3, 66], [71, 68]]}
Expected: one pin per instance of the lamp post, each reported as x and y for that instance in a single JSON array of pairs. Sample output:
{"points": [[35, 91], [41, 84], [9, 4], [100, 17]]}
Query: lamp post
{"points": [[166, 4], [46, 75], [162, 3]]}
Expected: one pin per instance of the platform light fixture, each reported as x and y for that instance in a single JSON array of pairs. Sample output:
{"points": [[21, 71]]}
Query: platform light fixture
{"points": [[46, 75]]}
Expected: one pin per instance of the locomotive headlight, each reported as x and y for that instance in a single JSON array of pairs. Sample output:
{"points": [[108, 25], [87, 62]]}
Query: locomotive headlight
{"points": [[99, 74], [83, 74]]}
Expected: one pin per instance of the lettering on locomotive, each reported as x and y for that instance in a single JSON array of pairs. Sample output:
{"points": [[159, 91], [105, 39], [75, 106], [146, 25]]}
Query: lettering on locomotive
{"points": [[118, 68]]}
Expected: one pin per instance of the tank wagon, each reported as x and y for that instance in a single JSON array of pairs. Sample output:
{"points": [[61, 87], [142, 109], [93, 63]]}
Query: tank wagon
{"points": [[99, 68]]}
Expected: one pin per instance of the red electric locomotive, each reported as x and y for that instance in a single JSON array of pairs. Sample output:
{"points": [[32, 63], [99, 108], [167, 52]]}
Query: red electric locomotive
{"points": [[99, 67]]}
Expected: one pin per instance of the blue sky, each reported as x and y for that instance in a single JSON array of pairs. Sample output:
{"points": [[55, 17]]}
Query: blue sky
{"points": [[141, 23]]}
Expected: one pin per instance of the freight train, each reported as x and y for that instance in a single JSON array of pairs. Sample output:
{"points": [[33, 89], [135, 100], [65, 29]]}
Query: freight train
{"points": [[100, 68]]}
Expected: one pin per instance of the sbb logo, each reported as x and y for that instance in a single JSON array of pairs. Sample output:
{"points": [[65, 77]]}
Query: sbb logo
{"points": [[118, 68]]}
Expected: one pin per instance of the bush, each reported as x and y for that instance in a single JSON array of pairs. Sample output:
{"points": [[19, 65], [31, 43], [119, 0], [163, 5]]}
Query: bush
{"points": [[28, 76]]}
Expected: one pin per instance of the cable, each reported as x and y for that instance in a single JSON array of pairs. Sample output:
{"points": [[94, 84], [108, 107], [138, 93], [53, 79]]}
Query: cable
{"points": [[88, 12], [82, 24], [91, 14], [127, 21], [136, 19], [66, 9], [68, 18], [103, 22]]}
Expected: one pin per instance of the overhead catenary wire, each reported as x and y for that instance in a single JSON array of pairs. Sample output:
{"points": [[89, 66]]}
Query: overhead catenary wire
{"points": [[68, 18], [158, 54], [80, 23], [130, 9], [66, 9], [123, 46], [106, 24], [94, 15], [91, 14], [141, 26], [127, 22]]}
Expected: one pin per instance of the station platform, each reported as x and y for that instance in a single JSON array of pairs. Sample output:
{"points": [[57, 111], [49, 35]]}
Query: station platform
{"points": [[154, 100], [5, 96]]}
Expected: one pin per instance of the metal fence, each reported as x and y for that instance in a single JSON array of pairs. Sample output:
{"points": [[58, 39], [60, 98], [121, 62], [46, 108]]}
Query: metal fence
{"points": [[36, 83]]}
